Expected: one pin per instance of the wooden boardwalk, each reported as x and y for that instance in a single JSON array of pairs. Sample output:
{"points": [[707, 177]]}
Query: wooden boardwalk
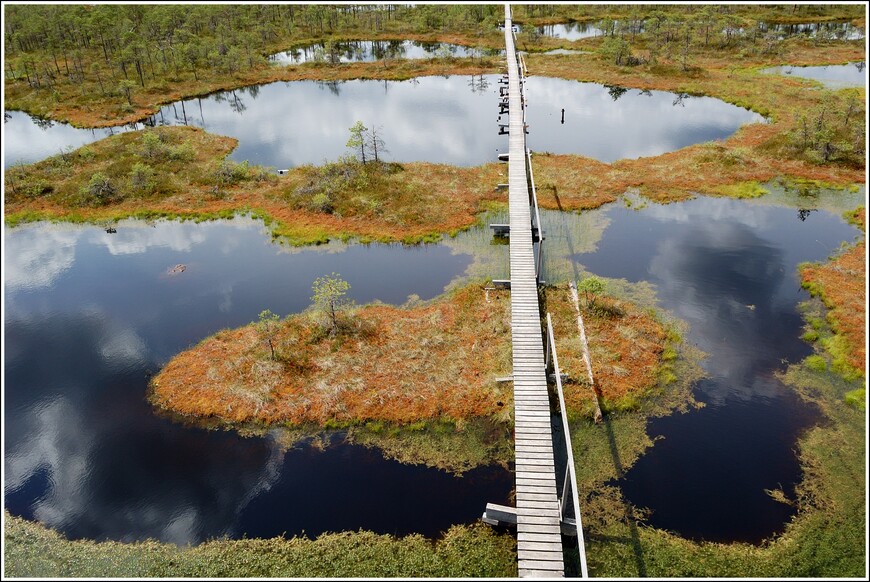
{"points": [[539, 542]]}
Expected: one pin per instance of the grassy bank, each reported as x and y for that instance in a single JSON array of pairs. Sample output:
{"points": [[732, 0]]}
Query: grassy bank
{"points": [[182, 172], [33, 551], [841, 285]]}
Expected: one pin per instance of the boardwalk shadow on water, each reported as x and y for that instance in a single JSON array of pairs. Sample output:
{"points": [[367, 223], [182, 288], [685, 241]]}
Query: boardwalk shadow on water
{"points": [[634, 537], [572, 556]]}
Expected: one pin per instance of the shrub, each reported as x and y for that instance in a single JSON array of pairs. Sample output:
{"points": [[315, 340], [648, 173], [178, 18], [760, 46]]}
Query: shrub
{"points": [[151, 146], [142, 179], [182, 153], [816, 363], [99, 191], [856, 398]]}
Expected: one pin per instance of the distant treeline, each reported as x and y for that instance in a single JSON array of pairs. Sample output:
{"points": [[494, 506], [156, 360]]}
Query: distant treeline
{"points": [[110, 51], [138, 43]]}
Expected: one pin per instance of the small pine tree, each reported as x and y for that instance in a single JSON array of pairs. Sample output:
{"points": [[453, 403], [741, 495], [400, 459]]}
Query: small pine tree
{"points": [[358, 141], [267, 327], [591, 286], [330, 298]]}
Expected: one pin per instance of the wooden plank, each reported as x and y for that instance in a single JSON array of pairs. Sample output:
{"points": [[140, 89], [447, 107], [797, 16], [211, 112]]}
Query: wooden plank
{"points": [[541, 489], [543, 555], [543, 523], [542, 494], [537, 504], [534, 565], [527, 514], [524, 463], [535, 573], [544, 455], [543, 547], [530, 537]]}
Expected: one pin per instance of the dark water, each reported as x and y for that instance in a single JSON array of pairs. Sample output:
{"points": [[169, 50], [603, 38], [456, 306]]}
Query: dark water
{"points": [[833, 76], [374, 50], [451, 120], [728, 268], [89, 316]]}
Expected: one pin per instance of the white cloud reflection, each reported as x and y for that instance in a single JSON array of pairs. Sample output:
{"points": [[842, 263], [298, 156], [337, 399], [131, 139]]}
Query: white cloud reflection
{"points": [[435, 119], [36, 255]]}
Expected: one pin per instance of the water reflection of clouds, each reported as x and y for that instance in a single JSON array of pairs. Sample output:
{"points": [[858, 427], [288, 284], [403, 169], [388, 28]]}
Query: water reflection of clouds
{"points": [[28, 141], [634, 125], [725, 281], [310, 125], [833, 76], [36, 256], [136, 237], [159, 481], [712, 210], [445, 120]]}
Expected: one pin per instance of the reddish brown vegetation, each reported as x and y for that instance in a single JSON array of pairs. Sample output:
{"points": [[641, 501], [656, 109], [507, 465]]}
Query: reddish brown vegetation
{"points": [[841, 283], [625, 344], [399, 365]]}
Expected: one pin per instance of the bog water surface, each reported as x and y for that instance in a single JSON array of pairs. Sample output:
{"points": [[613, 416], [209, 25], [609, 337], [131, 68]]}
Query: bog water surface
{"points": [[728, 268], [451, 120], [90, 315], [833, 76], [358, 51]]}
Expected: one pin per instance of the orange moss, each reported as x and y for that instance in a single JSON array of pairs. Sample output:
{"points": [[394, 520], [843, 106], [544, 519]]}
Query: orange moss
{"points": [[625, 343], [841, 283], [438, 361], [400, 365], [452, 196]]}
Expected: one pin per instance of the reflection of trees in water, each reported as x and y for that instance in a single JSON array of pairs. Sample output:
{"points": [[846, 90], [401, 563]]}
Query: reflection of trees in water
{"points": [[252, 90], [183, 118], [388, 49], [43, 124], [803, 213], [232, 98], [236, 104], [680, 98], [818, 30], [861, 66], [478, 83], [615, 91], [333, 86]]}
